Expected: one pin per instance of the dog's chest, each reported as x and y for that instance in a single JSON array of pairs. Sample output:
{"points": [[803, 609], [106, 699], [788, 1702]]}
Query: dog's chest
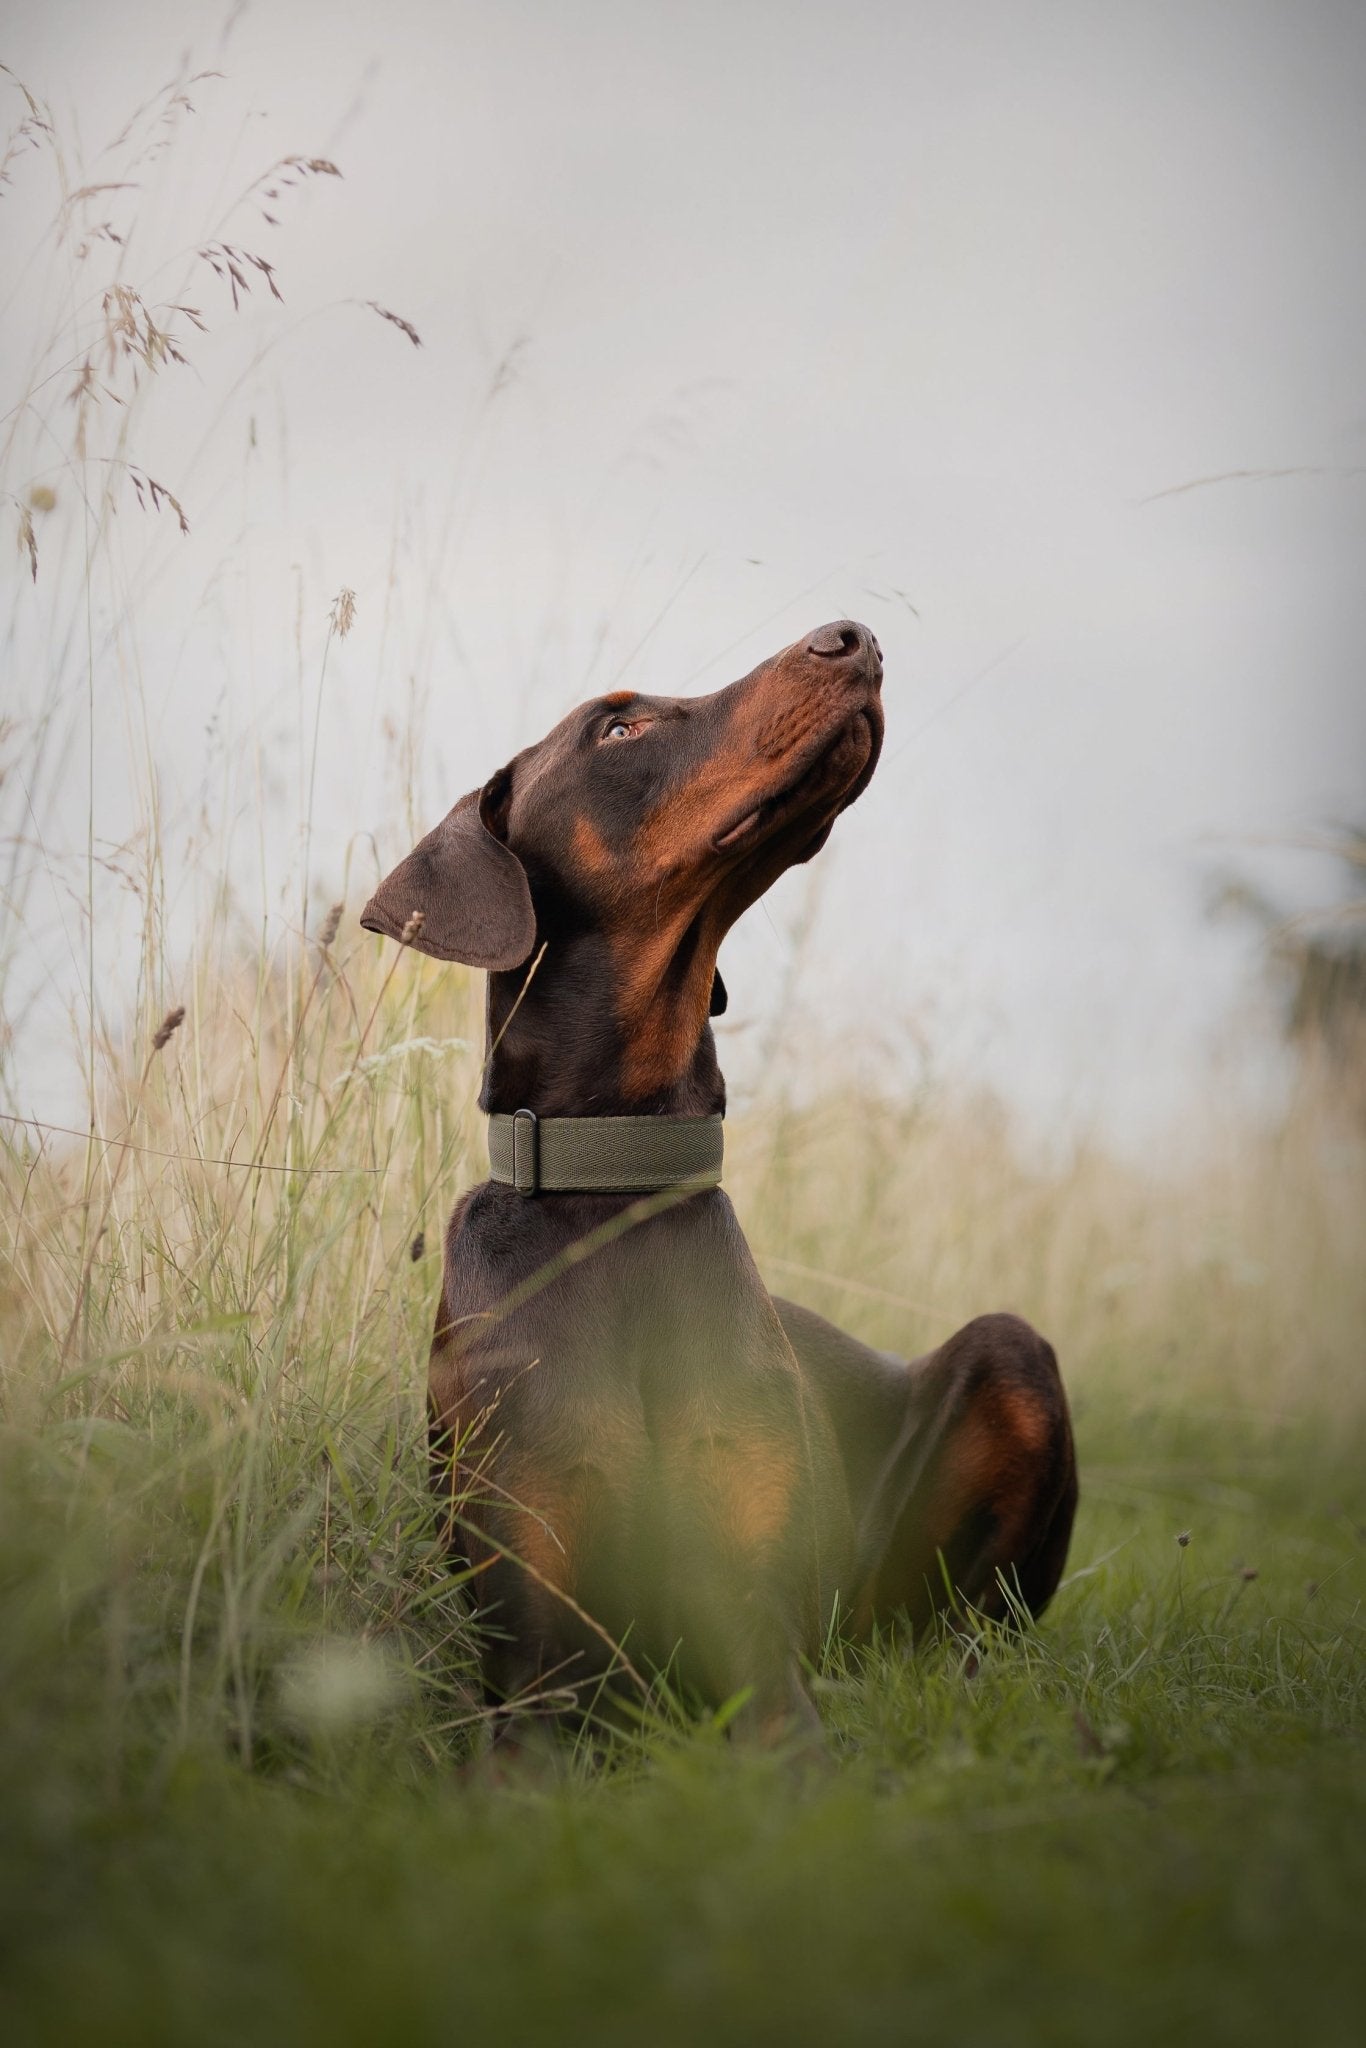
{"points": [[660, 1333]]}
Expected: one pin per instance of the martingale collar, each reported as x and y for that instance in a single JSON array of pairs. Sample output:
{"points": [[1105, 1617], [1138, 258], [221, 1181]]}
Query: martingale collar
{"points": [[604, 1155]]}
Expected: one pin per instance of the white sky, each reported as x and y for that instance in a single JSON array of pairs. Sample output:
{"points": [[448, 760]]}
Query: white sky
{"points": [[813, 306]]}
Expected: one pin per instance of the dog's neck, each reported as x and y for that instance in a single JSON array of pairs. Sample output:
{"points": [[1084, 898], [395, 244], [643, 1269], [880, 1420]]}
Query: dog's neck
{"points": [[579, 1037]]}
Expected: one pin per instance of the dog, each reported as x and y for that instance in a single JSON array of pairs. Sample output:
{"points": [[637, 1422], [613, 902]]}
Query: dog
{"points": [[647, 1460]]}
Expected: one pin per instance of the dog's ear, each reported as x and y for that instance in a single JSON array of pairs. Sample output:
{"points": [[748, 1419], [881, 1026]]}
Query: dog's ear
{"points": [[719, 998], [470, 889]]}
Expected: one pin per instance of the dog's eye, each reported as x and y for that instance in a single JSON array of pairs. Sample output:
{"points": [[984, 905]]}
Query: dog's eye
{"points": [[624, 729]]}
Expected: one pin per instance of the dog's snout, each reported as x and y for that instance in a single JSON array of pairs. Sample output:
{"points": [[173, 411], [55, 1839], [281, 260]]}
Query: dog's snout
{"points": [[844, 637], [846, 640]]}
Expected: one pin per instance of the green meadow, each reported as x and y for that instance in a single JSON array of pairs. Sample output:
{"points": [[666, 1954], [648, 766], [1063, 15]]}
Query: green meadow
{"points": [[240, 1762]]}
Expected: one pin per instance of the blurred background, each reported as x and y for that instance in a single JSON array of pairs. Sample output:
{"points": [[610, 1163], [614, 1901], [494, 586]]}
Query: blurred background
{"points": [[1032, 337]]}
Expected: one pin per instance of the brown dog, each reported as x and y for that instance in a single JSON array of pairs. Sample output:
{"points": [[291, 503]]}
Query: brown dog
{"points": [[640, 1445]]}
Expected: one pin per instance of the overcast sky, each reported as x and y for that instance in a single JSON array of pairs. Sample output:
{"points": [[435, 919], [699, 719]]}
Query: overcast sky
{"points": [[919, 314]]}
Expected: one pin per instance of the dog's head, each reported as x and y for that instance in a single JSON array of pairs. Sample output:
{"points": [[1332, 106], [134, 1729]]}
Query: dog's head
{"points": [[640, 816]]}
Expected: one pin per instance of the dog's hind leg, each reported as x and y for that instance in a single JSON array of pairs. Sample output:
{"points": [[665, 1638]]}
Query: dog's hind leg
{"points": [[973, 1507]]}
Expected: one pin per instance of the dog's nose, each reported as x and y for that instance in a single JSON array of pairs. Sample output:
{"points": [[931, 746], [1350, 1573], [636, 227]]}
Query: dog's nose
{"points": [[846, 640]]}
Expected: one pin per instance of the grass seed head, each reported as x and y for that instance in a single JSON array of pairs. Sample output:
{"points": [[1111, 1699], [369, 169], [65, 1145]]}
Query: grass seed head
{"points": [[28, 540], [168, 1027], [396, 320]]}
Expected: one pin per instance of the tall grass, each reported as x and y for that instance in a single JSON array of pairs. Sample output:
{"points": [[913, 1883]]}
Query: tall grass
{"points": [[237, 1685], [215, 1320]]}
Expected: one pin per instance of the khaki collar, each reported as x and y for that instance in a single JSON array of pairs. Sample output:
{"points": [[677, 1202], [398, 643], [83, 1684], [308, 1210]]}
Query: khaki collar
{"points": [[604, 1155]]}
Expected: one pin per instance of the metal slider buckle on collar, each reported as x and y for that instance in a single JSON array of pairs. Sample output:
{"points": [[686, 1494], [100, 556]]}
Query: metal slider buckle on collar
{"points": [[526, 1152]]}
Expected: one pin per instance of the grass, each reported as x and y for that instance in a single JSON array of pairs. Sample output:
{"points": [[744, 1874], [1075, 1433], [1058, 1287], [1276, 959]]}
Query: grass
{"points": [[1145, 1822], [237, 1690]]}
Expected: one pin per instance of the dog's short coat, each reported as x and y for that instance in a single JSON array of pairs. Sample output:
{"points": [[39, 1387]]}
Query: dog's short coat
{"points": [[641, 1446]]}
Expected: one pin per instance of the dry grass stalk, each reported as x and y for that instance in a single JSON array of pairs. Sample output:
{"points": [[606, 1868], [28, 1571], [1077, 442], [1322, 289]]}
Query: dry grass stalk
{"points": [[136, 335], [147, 487], [396, 320], [33, 131], [343, 614], [168, 1027], [28, 539], [230, 264]]}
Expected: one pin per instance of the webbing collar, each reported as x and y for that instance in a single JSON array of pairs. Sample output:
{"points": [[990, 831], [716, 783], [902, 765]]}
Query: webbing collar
{"points": [[604, 1155]]}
